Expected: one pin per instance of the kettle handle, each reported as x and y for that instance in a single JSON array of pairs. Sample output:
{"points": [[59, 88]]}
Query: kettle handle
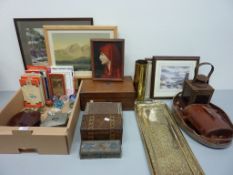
{"points": [[201, 64]]}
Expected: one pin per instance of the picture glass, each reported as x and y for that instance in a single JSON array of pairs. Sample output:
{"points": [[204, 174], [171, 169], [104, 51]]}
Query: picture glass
{"points": [[31, 36], [108, 59], [71, 46], [169, 76], [57, 84]]}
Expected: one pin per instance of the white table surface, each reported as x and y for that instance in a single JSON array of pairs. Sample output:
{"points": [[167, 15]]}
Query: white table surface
{"points": [[133, 160]]}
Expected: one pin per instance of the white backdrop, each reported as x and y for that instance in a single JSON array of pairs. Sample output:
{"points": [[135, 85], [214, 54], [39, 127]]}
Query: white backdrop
{"points": [[150, 27]]}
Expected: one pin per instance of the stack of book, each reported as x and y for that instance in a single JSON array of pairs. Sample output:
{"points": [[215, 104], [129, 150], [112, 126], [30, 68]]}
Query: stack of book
{"points": [[101, 130], [34, 85], [40, 83]]}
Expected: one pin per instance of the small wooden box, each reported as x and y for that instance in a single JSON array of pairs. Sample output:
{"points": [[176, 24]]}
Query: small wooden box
{"points": [[196, 94], [101, 127], [106, 91], [100, 149]]}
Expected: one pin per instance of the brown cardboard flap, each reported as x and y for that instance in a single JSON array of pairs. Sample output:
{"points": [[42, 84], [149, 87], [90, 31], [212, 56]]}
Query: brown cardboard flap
{"points": [[12, 107], [76, 108], [73, 118], [7, 130]]}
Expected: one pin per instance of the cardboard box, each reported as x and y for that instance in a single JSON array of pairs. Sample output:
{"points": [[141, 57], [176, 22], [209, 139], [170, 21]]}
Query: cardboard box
{"points": [[43, 140], [108, 91]]}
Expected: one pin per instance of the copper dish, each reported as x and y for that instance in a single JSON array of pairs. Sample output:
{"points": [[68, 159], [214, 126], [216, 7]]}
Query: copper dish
{"points": [[216, 121]]}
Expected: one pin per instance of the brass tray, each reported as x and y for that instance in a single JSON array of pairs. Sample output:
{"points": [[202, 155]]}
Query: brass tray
{"points": [[166, 148]]}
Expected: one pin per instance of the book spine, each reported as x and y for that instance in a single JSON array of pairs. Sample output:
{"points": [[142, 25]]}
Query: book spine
{"points": [[32, 92]]}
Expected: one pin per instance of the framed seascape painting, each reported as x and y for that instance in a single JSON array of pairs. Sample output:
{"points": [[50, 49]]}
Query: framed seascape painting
{"points": [[31, 37], [107, 59], [70, 45], [169, 73]]}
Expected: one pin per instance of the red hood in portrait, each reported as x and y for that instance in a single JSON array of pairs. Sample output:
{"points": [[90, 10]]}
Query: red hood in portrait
{"points": [[113, 54]]}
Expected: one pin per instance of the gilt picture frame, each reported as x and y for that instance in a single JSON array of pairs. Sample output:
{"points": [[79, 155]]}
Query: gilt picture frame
{"points": [[107, 57], [169, 73], [31, 37], [70, 45]]}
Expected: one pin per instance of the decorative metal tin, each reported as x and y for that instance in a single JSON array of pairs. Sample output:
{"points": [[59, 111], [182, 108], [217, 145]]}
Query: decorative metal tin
{"points": [[100, 149]]}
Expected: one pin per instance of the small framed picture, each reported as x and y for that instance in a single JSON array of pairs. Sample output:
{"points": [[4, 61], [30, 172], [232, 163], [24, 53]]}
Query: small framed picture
{"points": [[57, 84], [68, 72], [169, 73], [31, 36], [107, 59]]}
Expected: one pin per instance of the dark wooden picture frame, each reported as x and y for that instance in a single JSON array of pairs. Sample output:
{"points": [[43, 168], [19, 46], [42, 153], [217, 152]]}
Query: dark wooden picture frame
{"points": [[31, 37], [107, 56], [169, 73]]}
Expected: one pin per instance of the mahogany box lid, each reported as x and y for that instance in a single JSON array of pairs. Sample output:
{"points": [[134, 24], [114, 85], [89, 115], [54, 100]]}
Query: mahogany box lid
{"points": [[103, 108], [109, 87], [108, 91]]}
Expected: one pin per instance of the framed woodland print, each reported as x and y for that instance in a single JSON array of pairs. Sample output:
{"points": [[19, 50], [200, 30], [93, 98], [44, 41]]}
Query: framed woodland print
{"points": [[169, 73], [31, 37], [70, 45], [107, 59]]}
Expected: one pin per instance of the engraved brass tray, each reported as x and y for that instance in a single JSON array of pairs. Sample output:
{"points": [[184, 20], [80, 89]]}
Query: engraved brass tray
{"points": [[166, 148]]}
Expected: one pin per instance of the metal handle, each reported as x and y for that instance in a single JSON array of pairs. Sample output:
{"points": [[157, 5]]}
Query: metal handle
{"points": [[203, 78]]}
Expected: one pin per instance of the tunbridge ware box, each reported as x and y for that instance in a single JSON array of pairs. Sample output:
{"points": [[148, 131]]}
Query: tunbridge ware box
{"points": [[43, 140], [108, 91]]}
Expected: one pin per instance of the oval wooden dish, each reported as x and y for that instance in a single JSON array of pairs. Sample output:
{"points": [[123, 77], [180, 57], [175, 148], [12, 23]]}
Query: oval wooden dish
{"points": [[209, 126]]}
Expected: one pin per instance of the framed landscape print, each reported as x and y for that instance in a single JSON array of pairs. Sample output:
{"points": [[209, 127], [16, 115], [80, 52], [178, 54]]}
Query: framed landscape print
{"points": [[107, 59], [70, 45], [169, 73], [31, 37]]}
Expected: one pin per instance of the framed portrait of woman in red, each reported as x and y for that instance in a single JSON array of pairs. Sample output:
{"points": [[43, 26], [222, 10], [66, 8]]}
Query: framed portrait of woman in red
{"points": [[107, 57]]}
